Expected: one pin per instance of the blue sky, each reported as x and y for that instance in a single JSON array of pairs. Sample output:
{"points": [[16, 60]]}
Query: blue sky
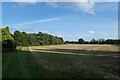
{"points": [[68, 20]]}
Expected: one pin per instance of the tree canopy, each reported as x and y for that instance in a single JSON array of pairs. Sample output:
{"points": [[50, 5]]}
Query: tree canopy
{"points": [[8, 42], [33, 39]]}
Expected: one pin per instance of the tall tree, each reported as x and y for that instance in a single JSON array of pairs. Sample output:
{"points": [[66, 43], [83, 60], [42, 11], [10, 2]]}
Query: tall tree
{"points": [[8, 42]]}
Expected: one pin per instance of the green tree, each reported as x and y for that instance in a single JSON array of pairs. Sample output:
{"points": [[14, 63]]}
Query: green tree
{"points": [[81, 41], [101, 41], [8, 43], [93, 41], [32, 39]]}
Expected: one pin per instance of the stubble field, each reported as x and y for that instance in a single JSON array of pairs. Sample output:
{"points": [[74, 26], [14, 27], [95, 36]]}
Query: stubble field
{"points": [[68, 61]]}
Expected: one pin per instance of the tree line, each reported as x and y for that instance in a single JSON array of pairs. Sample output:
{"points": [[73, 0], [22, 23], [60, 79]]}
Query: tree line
{"points": [[10, 41], [33, 39], [93, 41]]}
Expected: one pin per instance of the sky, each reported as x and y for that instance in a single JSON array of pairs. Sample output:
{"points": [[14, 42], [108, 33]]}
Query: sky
{"points": [[70, 20]]}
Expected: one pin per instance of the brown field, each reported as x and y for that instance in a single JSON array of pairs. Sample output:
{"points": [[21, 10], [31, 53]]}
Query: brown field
{"points": [[63, 61], [79, 49], [84, 60], [87, 47]]}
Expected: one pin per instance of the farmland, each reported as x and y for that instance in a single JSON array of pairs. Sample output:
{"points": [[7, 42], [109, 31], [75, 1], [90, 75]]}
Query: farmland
{"points": [[63, 61], [60, 39]]}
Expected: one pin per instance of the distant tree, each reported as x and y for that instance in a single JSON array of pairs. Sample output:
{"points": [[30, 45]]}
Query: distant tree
{"points": [[86, 42], [93, 41], [81, 41], [101, 41], [66, 42], [113, 41]]}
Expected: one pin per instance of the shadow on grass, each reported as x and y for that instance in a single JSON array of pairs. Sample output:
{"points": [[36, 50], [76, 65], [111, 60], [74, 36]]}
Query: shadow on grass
{"points": [[74, 66], [93, 52]]}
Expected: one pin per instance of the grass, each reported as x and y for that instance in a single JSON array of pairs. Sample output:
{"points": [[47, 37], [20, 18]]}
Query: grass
{"points": [[19, 65], [42, 63], [15, 64], [79, 66]]}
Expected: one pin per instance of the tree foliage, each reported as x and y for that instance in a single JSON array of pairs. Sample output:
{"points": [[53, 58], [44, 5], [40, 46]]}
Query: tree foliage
{"points": [[33, 39], [81, 41], [8, 43]]}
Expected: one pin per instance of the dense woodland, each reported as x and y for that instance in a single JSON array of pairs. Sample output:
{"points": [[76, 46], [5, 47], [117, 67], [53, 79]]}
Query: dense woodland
{"points": [[33, 39], [10, 41]]}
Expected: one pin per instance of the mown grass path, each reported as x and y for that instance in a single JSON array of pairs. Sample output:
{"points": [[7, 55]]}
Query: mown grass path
{"points": [[15, 65], [20, 64]]}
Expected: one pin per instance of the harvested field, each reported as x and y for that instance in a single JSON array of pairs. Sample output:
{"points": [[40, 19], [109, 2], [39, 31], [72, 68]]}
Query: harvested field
{"points": [[87, 47], [83, 61], [63, 61]]}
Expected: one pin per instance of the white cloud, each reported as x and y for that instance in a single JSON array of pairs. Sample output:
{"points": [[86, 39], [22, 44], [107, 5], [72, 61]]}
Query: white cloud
{"points": [[22, 1], [91, 32], [87, 6], [53, 4], [39, 21], [80, 5]]}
